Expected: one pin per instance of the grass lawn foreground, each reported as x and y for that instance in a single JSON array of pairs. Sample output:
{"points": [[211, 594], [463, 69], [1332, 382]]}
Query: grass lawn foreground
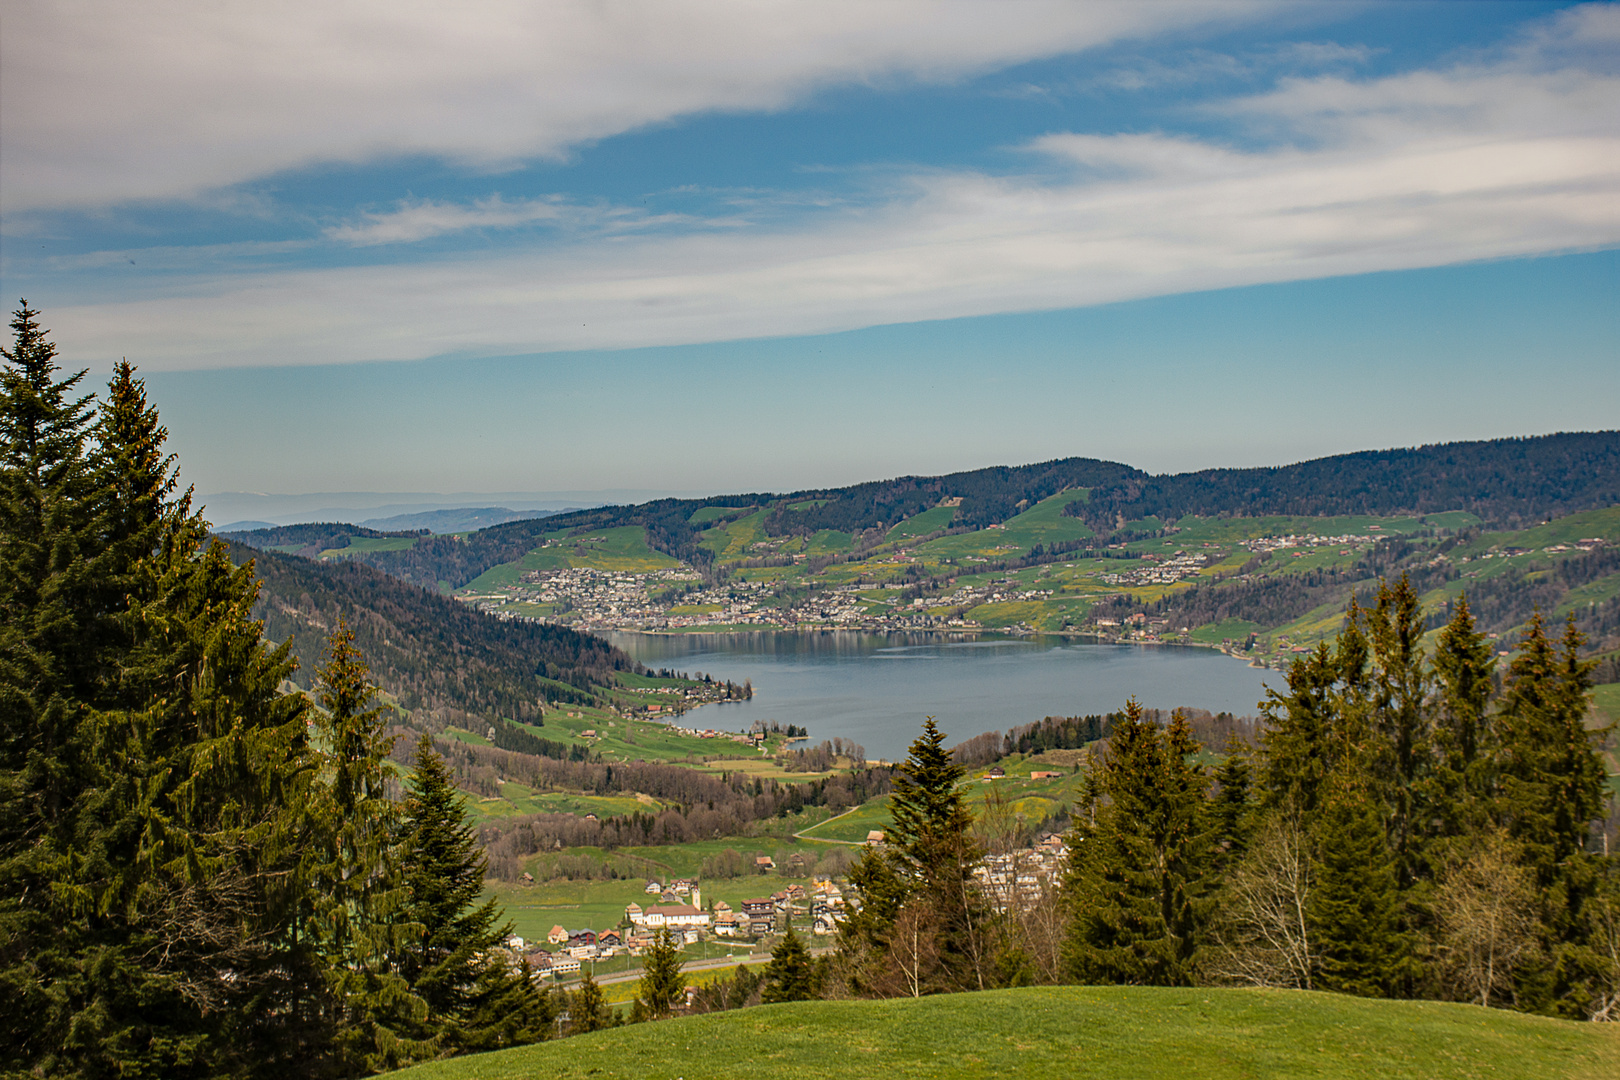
{"points": [[1073, 1032]]}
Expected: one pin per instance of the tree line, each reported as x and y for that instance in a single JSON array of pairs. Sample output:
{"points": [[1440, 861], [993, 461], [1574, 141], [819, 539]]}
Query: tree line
{"points": [[702, 806], [202, 875]]}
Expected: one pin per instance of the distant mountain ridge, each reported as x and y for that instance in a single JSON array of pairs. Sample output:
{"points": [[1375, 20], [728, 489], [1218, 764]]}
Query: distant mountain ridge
{"points": [[460, 519], [1506, 482]]}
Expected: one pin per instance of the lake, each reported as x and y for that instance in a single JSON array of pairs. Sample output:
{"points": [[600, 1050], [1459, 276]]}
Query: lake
{"points": [[875, 689]]}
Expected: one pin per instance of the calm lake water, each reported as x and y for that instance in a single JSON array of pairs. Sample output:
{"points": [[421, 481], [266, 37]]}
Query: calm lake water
{"points": [[876, 688]]}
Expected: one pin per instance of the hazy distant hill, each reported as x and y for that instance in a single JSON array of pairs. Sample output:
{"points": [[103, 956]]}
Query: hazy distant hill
{"points": [[460, 519], [312, 539]]}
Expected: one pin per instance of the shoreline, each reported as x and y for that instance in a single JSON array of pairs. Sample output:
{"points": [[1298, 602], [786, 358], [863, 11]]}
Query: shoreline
{"points": [[956, 631]]}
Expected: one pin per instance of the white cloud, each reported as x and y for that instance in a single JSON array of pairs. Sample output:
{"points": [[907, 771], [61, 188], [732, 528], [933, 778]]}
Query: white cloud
{"points": [[423, 218], [102, 102], [1509, 157]]}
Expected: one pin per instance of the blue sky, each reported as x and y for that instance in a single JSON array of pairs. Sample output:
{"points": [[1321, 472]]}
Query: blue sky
{"points": [[722, 246]]}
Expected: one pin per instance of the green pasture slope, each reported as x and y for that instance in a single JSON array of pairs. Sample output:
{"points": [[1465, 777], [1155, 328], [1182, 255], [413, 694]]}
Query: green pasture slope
{"points": [[622, 548], [1069, 1033]]}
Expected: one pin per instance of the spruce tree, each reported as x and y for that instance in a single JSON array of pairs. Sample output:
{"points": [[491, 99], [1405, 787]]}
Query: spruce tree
{"points": [[472, 998], [1355, 908], [360, 916], [1299, 745], [1401, 720], [1550, 781], [1138, 876], [863, 936], [587, 1008], [1231, 812], [1463, 733], [789, 975], [47, 765], [934, 851], [663, 987], [1550, 788], [158, 762]]}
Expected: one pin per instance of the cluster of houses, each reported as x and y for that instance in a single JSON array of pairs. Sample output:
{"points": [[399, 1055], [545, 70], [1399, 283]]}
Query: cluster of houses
{"points": [[823, 903], [1177, 567], [1018, 880]]}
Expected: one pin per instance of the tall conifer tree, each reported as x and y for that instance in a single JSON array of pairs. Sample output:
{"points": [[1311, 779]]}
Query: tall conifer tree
{"points": [[359, 915], [1354, 907], [474, 1002], [1463, 733], [1138, 876], [934, 850]]}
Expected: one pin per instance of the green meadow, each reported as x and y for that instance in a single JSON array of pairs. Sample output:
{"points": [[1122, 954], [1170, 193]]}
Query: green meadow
{"points": [[1074, 1033]]}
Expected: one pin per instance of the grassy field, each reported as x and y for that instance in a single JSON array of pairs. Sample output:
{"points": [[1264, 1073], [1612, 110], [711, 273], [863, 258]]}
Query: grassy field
{"points": [[1042, 523], [624, 548], [1074, 1032], [1030, 800], [926, 522], [1607, 699], [362, 544], [1564, 530], [535, 909]]}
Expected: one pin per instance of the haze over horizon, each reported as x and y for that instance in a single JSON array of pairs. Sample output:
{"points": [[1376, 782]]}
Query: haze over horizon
{"points": [[709, 247]]}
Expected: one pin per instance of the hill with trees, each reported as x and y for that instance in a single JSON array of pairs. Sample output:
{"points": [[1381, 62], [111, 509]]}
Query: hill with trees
{"points": [[430, 652], [1508, 483], [1504, 482]]}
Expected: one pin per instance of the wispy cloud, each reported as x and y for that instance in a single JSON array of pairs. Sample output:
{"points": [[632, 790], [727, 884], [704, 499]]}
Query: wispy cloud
{"points": [[1507, 156], [422, 219], [167, 99]]}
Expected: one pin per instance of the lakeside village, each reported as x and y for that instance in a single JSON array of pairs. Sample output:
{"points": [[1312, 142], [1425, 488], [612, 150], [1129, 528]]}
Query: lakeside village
{"points": [[674, 599], [1017, 880]]}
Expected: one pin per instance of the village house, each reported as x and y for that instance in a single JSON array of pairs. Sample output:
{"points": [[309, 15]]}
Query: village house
{"points": [[673, 916], [557, 936], [564, 965], [653, 888], [765, 862], [762, 907]]}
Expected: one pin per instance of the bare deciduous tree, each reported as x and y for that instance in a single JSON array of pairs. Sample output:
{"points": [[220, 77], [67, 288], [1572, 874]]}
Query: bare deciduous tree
{"points": [[1262, 935], [913, 961], [1486, 909]]}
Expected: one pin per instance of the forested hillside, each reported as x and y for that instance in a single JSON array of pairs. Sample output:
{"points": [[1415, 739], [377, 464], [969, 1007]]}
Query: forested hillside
{"points": [[427, 650], [1506, 482]]}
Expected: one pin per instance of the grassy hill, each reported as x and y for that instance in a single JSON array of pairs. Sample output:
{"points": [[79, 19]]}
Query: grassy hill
{"points": [[1074, 1032]]}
